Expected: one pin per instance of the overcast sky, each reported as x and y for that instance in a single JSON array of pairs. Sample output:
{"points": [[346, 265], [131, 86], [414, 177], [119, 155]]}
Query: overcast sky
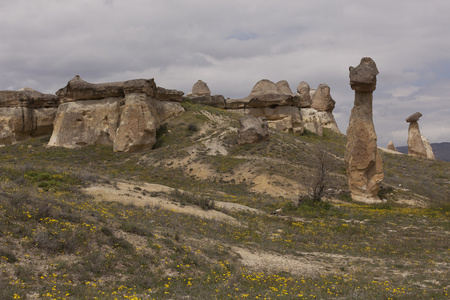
{"points": [[233, 44]]}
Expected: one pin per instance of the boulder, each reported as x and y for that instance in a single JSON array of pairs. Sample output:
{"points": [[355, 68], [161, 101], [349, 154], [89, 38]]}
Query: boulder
{"points": [[321, 99], [25, 113], [252, 130], [391, 146], [201, 94], [283, 87], [362, 159], [127, 118], [303, 94]]}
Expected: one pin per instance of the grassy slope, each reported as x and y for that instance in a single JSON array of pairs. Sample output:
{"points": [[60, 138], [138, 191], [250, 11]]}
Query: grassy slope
{"points": [[56, 243]]}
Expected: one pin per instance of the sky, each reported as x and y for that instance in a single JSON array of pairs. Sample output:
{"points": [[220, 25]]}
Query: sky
{"points": [[233, 44]]}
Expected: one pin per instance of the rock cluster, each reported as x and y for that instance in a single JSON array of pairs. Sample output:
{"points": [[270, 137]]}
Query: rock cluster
{"points": [[25, 113], [124, 115], [418, 145], [283, 109], [363, 162]]}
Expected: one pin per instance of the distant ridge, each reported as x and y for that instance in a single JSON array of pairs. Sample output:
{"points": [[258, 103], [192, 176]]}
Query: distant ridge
{"points": [[441, 150]]}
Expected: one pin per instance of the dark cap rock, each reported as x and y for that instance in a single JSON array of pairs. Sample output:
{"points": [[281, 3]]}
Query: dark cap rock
{"points": [[414, 117], [363, 77]]}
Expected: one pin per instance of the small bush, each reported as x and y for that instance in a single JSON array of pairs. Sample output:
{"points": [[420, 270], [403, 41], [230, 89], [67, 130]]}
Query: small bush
{"points": [[192, 128]]}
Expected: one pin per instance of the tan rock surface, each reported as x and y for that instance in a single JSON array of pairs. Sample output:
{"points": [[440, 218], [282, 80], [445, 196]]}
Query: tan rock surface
{"points": [[127, 118], [252, 130], [283, 118], [321, 99], [303, 93], [415, 142], [363, 161], [25, 113], [265, 93], [391, 146], [311, 120], [418, 145]]}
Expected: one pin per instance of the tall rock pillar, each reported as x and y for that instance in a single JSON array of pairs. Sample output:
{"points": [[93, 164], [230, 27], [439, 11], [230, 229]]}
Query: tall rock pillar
{"points": [[363, 162]]}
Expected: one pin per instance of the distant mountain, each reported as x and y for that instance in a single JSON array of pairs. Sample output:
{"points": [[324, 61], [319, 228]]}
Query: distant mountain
{"points": [[441, 150]]}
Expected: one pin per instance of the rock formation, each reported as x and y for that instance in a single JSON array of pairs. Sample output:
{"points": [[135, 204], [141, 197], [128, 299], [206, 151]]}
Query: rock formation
{"points": [[202, 94], [321, 99], [418, 145], [391, 146], [25, 113], [363, 162], [125, 115], [316, 108], [274, 101], [303, 94], [252, 130]]}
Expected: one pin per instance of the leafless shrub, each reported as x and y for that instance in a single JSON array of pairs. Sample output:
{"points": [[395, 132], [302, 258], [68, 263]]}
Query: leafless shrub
{"points": [[320, 176]]}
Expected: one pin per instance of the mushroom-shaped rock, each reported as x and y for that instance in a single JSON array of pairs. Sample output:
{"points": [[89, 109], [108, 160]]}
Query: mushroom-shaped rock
{"points": [[418, 145], [362, 159]]}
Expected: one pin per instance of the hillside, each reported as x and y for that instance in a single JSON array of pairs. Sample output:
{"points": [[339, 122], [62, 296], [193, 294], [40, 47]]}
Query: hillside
{"points": [[199, 216], [441, 150]]}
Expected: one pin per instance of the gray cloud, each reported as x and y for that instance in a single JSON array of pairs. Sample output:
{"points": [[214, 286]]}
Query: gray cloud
{"points": [[233, 44]]}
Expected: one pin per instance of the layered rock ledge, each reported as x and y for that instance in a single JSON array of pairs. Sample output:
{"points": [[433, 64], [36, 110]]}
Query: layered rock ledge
{"points": [[124, 115]]}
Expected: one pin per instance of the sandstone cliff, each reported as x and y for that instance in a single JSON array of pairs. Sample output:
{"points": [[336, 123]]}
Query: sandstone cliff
{"points": [[25, 113]]}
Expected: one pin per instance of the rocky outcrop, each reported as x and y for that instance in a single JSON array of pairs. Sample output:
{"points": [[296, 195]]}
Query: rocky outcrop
{"points": [[202, 94], [418, 145], [363, 162], [252, 130], [274, 101], [265, 93], [25, 113], [391, 146], [124, 115]]}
